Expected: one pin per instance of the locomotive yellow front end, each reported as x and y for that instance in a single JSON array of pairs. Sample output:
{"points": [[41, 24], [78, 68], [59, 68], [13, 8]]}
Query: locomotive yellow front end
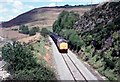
{"points": [[63, 47]]}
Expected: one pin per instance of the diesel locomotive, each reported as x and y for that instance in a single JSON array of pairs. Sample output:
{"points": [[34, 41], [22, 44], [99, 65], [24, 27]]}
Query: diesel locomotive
{"points": [[60, 42]]}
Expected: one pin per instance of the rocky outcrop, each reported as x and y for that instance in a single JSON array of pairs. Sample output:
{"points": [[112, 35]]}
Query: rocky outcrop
{"points": [[103, 14], [3, 73]]}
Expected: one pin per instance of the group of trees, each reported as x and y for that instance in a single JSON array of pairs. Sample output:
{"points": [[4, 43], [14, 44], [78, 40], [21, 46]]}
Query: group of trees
{"points": [[65, 21], [22, 65], [63, 26], [71, 6], [25, 30]]}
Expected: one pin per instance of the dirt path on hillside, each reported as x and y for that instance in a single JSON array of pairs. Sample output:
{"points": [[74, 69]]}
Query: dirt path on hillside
{"points": [[48, 56]]}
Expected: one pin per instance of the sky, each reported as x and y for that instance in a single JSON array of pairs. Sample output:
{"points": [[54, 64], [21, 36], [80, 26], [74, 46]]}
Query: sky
{"points": [[9, 9]]}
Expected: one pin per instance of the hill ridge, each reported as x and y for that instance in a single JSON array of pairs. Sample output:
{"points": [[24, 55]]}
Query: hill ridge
{"points": [[33, 15]]}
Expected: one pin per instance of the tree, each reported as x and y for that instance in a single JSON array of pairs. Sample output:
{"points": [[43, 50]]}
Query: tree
{"points": [[21, 27], [65, 20], [75, 40], [32, 31], [36, 29], [44, 32], [65, 33], [109, 63], [67, 5], [24, 29]]}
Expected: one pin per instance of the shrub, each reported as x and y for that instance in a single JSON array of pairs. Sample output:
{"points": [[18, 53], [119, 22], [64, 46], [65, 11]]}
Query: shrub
{"points": [[15, 29], [44, 32], [36, 29], [32, 32], [24, 29], [38, 73], [109, 63]]}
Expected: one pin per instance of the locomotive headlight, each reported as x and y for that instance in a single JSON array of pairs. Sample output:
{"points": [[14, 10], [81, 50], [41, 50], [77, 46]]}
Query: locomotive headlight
{"points": [[63, 45]]}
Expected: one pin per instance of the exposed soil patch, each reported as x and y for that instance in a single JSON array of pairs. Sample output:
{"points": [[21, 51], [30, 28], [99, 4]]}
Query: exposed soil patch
{"points": [[10, 34], [48, 56], [47, 47], [30, 39]]}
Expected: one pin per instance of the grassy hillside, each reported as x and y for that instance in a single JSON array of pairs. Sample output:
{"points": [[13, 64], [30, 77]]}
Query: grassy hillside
{"points": [[42, 17]]}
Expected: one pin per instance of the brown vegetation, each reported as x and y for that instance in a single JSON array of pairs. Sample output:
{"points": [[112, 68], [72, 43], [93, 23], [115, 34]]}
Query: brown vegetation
{"points": [[41, 17]]}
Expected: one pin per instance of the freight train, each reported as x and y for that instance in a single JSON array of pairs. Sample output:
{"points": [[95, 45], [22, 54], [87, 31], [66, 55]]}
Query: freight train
{"points": [[61, 43]]}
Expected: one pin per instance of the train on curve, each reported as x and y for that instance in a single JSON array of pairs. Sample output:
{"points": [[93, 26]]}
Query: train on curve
{"points": [[61, 43]]}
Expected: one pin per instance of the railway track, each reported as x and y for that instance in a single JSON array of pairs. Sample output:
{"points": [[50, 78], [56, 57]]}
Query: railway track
{"points": [[74, 70], [69, 67]]}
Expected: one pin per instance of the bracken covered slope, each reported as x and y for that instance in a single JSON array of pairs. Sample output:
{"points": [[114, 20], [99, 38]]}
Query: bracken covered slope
{"points": [[42, 17]]}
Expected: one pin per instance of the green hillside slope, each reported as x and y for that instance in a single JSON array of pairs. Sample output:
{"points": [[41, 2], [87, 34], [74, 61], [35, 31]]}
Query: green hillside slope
{"points": [[94, 36]]}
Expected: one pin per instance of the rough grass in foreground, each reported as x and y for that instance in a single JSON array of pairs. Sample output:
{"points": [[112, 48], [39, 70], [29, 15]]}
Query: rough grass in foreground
{"points": [[39, 47]]}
